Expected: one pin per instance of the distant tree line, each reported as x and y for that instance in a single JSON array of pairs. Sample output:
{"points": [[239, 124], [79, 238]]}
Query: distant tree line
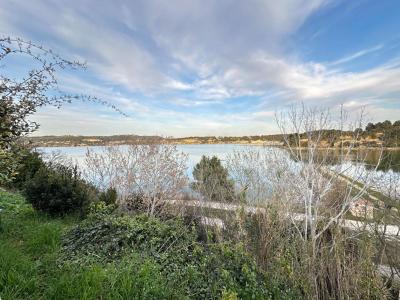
{"points": [[387, 132], [77, 140], [384, 133]]}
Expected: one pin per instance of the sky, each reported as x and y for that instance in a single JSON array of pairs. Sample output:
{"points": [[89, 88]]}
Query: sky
{"points": [[212, 67]]}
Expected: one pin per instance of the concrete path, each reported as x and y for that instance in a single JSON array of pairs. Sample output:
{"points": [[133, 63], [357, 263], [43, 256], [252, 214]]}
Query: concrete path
{"points": [[390, 231]]}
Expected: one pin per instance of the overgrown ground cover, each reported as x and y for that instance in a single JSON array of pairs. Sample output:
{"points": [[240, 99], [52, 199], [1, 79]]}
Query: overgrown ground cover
{"points": [[117, 257]]}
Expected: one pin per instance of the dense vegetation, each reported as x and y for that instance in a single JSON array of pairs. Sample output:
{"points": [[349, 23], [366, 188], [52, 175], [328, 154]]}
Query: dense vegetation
{"points": [[107, 252], [379, 134], [118, 257], [387, 132], [48, 251]]}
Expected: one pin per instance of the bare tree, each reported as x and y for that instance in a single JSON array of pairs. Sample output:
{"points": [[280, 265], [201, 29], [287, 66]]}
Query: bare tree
{"points": [[322, 172], [149, 174], [20, 97], [308, 187]]}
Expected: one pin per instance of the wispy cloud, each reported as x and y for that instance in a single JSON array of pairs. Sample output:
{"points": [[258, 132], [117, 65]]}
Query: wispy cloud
{"points": [[356, 55], [197, 67]]}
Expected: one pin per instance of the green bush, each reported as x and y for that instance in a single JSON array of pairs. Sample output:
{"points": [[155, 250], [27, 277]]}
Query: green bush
{"points": [[212, 180], [202, 271], [29, 249], [30, 163], [109, 197], [58, 190], [8, 165], [107, 237]]}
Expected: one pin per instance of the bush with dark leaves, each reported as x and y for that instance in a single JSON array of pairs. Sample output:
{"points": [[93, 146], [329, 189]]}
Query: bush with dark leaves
{"points": [[30, 163], [59, 190]]}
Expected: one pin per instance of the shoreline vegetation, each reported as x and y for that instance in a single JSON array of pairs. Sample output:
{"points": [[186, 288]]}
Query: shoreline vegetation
{"points": [[382, 134], [84, 141], [119, 140]]}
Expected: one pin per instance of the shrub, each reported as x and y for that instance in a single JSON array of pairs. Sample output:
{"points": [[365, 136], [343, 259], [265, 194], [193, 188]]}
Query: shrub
{"points": [[30, 163], [202, 271], [100, 208], [29, 246], [342, 267], [109, 197], [212, 181], [58, 190], [8, 166], [107, 237]]}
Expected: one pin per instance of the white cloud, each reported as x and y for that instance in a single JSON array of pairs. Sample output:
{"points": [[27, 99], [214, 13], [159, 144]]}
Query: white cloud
{"points": [[192, 35], [194, 54], [306, 81]]}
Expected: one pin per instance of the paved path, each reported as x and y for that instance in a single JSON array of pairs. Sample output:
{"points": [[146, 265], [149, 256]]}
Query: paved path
{"points": [[390, 231]]}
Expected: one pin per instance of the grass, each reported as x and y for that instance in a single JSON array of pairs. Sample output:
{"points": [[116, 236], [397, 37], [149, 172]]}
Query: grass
{"points": [[29, 248], [34, 264]]}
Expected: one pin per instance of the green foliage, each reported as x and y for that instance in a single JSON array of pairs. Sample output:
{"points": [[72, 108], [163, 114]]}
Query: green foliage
{"points": [[14, 203], [164, 261], [214, 268], [212, 180], [388, 133], [29, 249], [109, 197], [100, 208], [201, 270], [58, 190], [30, 163], [108, 237], [8, 165], [21, 277]]}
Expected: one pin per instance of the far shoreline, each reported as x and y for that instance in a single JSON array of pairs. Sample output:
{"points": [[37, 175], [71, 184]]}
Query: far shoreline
{"points": [[274, 145]]}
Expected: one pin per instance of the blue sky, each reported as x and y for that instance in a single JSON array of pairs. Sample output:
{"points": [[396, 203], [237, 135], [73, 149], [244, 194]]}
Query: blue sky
{"points": [[222, 67]]}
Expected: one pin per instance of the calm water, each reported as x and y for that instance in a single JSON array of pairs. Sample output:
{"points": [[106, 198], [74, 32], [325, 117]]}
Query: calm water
{"points": [[194, 152], [387, 174]]}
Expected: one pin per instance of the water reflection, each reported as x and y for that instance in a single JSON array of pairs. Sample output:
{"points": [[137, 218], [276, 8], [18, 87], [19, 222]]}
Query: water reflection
{"points": [[390, 160], [382, 160]]}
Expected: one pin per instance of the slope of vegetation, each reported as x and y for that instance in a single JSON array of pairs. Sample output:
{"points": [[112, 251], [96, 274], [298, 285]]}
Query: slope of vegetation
{"points": [[108, 256]]}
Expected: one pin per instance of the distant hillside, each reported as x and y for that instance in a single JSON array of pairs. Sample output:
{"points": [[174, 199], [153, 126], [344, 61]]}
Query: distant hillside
{"points": [[374, 135], [276, 140], [76, 141]]}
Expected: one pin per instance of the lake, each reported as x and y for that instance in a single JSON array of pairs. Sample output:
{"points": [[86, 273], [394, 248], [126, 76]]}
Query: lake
{"points": [[194, 152], [388, 172]]}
